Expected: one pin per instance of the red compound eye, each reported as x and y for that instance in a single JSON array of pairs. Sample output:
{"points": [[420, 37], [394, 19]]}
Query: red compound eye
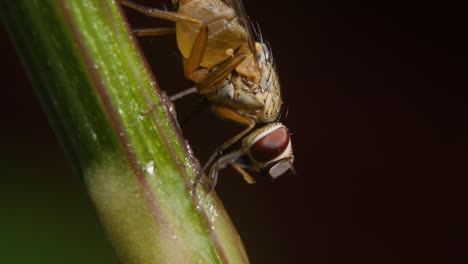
{"points": [[271, 145]]}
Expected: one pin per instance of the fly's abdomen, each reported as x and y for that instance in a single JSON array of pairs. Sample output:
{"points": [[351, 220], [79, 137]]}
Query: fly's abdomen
{"points": [[224, 30]]}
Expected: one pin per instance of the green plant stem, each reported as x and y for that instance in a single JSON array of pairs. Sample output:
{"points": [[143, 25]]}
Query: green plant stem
{"points": [[119, 131]]}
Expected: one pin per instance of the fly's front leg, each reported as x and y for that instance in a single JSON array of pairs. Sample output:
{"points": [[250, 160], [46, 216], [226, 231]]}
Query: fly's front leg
{"points": [[228, 159], [244, 174], [231, 115], [199, 46]]}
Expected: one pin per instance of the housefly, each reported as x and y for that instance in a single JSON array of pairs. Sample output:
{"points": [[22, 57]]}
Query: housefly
{"points": [[237, 75]]}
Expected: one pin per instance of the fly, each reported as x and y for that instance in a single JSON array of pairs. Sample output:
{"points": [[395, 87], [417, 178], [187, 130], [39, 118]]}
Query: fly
{"points": [[237, 75]]}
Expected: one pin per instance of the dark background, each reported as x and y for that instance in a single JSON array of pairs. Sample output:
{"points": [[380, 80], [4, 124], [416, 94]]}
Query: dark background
{"points": [[373, 93]]}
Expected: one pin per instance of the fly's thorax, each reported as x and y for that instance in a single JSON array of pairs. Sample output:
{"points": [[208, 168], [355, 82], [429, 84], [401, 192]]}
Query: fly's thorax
{"points": [[224, 30], [260, 79], [270, 93], [236, 94], [268, 83], [252, 89]]}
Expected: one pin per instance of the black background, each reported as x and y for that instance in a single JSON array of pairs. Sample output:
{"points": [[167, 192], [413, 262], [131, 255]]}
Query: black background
{"points": [[373, 93]]}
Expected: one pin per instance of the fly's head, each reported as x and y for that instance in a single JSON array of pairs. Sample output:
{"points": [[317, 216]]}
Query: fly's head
{"points": [[269, 149]]}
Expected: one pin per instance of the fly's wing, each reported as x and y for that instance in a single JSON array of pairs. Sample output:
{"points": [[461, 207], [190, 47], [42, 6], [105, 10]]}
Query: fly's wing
{"points": [[244, 20]]}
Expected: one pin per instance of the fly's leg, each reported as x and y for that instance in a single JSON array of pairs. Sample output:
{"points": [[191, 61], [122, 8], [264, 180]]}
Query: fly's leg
{"points": [[221, 163], [244, 174], [232, 159], [227, 114], [199, 46], [144, 32], [183, 93], [207, 86]]}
